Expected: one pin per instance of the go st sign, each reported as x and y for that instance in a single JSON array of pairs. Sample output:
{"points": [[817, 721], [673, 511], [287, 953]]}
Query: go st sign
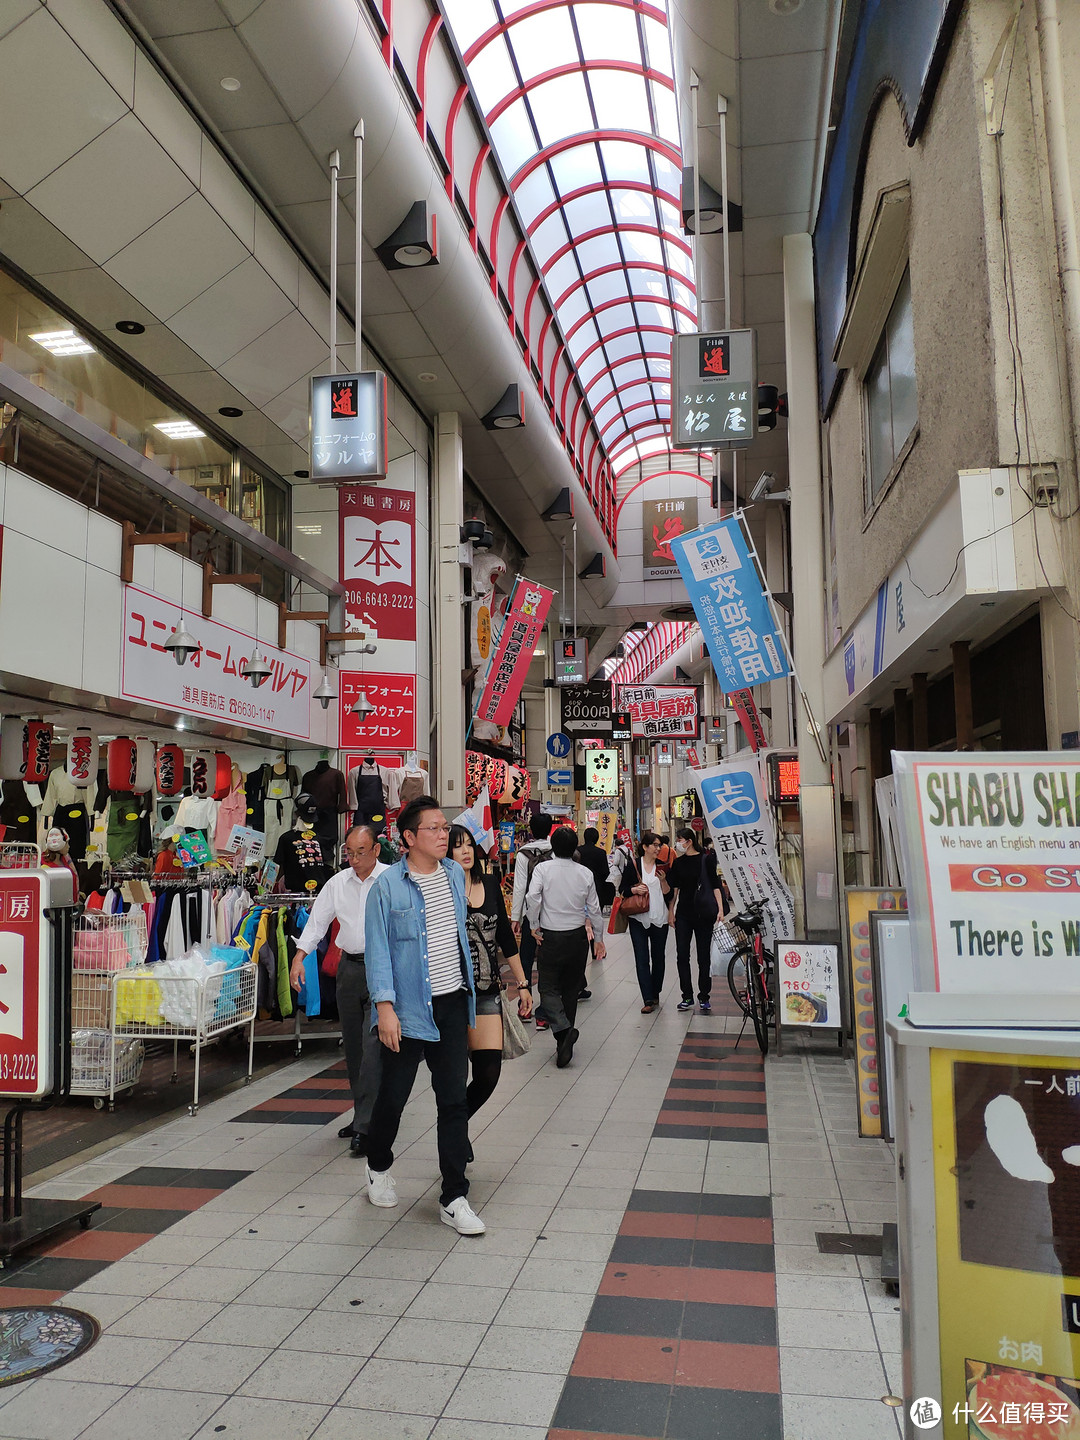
{"points": [[714, 390]]}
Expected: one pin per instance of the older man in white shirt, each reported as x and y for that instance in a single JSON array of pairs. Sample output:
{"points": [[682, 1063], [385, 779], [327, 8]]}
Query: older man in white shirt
{"points": [[560, 900], [344, 898]]}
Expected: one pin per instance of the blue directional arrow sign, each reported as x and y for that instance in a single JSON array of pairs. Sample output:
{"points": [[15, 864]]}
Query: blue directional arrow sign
{"points": [[560, 779]]}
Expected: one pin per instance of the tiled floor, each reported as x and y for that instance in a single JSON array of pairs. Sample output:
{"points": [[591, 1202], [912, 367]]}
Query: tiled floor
{"points": [[650, 1268]]}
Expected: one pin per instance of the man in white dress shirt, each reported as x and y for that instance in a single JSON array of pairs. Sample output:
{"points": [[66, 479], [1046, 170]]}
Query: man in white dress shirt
{"points": [[344, 898], [560, 899]]}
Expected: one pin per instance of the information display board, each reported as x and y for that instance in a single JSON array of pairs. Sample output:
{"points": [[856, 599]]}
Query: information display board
{"points": [[27, 1040], [808, 978]]}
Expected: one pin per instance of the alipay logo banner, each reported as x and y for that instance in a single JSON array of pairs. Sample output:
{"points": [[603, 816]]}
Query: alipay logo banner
{"points": [[731, 799]]}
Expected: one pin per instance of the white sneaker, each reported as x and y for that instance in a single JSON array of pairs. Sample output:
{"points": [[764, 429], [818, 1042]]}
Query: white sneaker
{"points": [[464, 1219], [381, 1188]]}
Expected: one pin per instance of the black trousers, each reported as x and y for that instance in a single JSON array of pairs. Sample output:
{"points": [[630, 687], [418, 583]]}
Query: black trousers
{"points": [[363, 1053], [527, 953], [691, 927], [448, 1061], [560, 963], [650, 943]]}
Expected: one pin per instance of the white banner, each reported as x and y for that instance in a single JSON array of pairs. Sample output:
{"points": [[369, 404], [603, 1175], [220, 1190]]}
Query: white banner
{"points": [[992, 861], [733, 801], [212, 683]]}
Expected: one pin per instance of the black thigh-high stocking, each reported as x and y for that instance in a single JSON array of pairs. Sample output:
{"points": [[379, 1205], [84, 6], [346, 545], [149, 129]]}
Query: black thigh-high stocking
{"points": [[486, 1065]]}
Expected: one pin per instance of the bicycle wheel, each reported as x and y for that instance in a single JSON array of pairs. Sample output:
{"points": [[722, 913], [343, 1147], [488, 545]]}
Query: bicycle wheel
{"points": [[759, 1006], [737, 978]]}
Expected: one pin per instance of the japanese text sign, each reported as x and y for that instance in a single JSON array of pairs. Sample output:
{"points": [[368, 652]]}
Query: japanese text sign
{"points": [[661, 522], [572, 661], [377, 530], [733, 801], [392, 724], [25, 1020], [658, 711], [714, 390], [745, 706], [731, 606], [522, 627], [212, 683], [992, 854], [586, 709], [808, 978], [348, 426], [602, 772]]}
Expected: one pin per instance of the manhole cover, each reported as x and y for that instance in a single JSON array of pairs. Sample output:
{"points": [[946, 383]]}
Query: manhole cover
{"points": [[37, 1338]]}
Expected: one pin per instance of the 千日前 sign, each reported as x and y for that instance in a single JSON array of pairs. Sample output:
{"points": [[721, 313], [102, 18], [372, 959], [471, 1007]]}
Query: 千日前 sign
{"points": [[522, 627], [731, 606], [378, 547], [348, 426], [212, 683], [662, 521], [661, 711]]}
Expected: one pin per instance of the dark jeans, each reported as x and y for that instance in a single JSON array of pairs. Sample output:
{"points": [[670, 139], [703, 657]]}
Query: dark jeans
{"points": [[688, 927], [560, 961], [649, 946], [363, 1053], [527, 952], [448, 1061]]}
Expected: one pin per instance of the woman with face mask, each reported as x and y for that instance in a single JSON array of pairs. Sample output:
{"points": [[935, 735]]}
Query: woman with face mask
{"points": [[696, 902]]}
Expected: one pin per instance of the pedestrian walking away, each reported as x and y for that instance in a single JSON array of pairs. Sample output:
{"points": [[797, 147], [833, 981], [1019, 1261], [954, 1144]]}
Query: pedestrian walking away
{"points": [[696, 902], [344, 898], [535, 852], [561, 900], [490, 936], [649, 930], [420, 975]]}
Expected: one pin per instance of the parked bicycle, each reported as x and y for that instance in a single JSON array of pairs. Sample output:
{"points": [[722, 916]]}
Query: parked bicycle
{"points": [[749, 975]]}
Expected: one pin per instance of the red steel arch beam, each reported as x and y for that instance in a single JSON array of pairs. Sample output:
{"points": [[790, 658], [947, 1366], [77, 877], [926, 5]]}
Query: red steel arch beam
{"points": [[629, 410], [571, 142], [641, 186], [540, 6], [651, 265], [474, 186], [448, 140], [627, 227], [434, 26], [493, 248], [610, 305]]}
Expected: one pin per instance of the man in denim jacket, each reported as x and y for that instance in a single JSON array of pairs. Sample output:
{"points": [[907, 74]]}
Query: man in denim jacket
{"points": [[420, 978]]}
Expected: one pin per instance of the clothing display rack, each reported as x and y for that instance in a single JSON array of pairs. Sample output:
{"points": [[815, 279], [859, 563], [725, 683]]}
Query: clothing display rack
{"points": [[295, 1033]]}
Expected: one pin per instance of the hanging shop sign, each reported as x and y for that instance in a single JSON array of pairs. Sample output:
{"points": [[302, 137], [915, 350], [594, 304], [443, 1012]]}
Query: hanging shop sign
{"points": [[682, 749], [377, 540], [348, 426], [621, 726], [745, 706], [990, 851], [662, 753], [662, 521], [783, 778], [26, 988], [731, 606], [641, 765], [733, 801], [506, 837], [714, 390], [586, 710], [522, 627], [1006, 1199], [483, 631], [714, 730], [391, 725], [859, 904], [808, 978], [130, 764], [602, 773], [572, 661], [212, 683], [661, 710]]}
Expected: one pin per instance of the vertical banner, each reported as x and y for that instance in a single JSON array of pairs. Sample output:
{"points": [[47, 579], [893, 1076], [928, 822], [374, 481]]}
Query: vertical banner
{"points": [[731, 606], [733, 801], [745, 707], [377, 530], [662, 521], [522, 627]]}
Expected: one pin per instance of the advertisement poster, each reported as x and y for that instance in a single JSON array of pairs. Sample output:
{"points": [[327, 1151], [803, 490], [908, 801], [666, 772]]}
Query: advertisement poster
{"points": [[733, 801], [1007, 1192], [212, 682], [602, 773], [25, 1031], [659, 711], [992, 854], [586, 710], [661, 522], [522, 629], [859, 904], [731, 606], [391, 725], [809, 980], [377, 539]]}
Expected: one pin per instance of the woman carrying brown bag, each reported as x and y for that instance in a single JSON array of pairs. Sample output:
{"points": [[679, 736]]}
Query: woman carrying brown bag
{"points": [[644, 891]]}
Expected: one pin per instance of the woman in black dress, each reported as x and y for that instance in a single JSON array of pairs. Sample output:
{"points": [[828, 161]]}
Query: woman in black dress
{"points": [[490, 933]]}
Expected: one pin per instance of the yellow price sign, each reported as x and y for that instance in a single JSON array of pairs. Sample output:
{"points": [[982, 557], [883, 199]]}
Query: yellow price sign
{"points": [[483, 631]]}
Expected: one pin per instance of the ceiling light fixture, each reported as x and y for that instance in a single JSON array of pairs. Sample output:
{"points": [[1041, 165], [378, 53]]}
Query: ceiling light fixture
{"points": [[785, 7], [362, 706], [711, 204], [180, 429], [413, 244], [230, 83], [596, 569], [256, 670], [508, 413], [232, 412], [562, 507], [325, 692], [301, 474], [63, 342], [130, 327], [427, 376]]}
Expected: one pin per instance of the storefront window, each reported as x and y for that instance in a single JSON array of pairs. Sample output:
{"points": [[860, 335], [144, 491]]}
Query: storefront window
{"points": [[889, 387]]}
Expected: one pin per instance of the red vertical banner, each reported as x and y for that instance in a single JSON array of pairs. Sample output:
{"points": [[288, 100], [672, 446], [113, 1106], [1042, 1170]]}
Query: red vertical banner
{"points": [[377, 554], [747, 711], [522, 627]]}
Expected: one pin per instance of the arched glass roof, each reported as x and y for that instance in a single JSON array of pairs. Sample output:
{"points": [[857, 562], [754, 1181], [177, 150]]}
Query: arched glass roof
{"points": [[579, 100]]}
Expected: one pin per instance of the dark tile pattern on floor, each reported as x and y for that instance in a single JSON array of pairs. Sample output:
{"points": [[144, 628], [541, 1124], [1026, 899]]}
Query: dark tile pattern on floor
{"points": [[314, 1101], [138, 1206], [681, 1341]]}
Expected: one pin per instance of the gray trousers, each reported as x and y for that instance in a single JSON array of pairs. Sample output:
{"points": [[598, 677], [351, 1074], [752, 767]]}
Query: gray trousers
{"points": [[363, 1053]]}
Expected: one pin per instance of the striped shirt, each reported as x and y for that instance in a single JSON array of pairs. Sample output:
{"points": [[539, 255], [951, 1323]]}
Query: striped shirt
{"points": [[443, 947]]}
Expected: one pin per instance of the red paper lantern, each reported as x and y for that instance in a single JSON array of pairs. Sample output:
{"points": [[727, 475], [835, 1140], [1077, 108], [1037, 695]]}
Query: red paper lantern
{"points": [[121, 763], [169, 770], [222, 775], [498, 779], [475, 772], [520, 787], [39, 738]]}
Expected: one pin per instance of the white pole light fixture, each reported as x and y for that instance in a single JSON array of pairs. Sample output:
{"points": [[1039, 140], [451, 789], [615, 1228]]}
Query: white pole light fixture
{"points": [[324, 692], [181, 646], [256, 670]]}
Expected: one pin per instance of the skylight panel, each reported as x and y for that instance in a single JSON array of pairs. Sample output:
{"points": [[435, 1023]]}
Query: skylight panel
{"points": [[540, 42], [624, 160], [560, 107], [621, 100], [613, 286], [469, 19], [492, 74], [666, 112], [534, 194], [513, 137], [588, 212], [657, 45], [608, 31], [577, 167]]}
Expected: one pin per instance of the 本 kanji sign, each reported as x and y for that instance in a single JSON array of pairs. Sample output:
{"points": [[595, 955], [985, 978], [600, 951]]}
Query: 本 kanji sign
{"points": [[522, 627], [661, 522], [733, 801], [378, 548], [657, 711], [731, 606], [714, 390], [212, 682], [348, 426], [25, 1041], [392, 724]]}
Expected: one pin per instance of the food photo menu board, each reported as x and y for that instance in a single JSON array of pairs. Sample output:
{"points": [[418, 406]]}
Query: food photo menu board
{"points": [[868, 1043]]}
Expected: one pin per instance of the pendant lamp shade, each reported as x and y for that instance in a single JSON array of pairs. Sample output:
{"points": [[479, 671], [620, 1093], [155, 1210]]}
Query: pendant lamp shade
{"points": [[169, 770], [39, 738], [82, 758]]}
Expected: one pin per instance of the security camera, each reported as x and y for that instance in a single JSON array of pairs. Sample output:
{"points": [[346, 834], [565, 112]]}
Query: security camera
{"points": [[764, 484]]}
